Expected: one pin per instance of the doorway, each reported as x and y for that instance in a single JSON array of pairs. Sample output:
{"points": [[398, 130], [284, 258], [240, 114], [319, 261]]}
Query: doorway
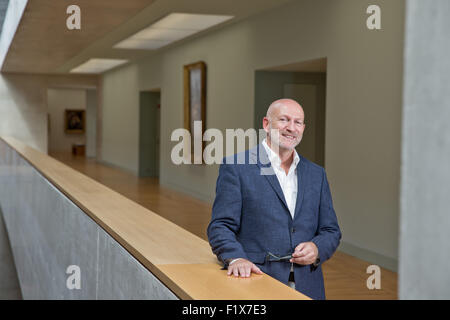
{"points": [[149, 132], [305, 82]]}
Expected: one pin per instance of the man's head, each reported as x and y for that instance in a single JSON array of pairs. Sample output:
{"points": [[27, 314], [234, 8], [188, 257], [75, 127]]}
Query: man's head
{"points": [[287, 118]]}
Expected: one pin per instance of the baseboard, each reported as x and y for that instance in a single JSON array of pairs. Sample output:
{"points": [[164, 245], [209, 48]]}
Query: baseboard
{"points": [[369, 256]]}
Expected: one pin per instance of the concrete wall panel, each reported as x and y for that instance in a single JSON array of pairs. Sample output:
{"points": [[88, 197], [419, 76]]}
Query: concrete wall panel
{"points": [[48, 233]]}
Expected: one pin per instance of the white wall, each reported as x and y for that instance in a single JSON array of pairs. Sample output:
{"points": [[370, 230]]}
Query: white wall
{"points": [[23, 105], [363, 105], [91, 123], [120, 112], [58, 101], [23, 110]]}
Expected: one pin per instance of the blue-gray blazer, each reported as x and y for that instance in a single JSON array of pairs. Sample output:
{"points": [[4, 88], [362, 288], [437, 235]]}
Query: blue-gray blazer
{"points": [[250, 218]]}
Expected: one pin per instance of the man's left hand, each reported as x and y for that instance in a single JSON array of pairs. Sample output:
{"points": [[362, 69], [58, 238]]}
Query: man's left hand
{"points": [[305, 253]]}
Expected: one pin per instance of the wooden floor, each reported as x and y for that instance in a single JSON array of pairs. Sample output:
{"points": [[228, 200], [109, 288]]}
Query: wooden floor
{"points": [[345, 276]]}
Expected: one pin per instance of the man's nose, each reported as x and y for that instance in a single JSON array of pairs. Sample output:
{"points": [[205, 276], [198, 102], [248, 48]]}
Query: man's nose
{"points": [[291, 126]]}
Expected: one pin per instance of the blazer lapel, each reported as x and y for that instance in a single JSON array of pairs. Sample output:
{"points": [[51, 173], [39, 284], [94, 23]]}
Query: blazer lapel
{"points": [[266, 169], [301, 169]]}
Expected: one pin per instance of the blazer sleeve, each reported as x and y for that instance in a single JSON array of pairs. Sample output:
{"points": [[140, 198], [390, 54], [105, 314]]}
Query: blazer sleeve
{"points": [[226, 215], [328, 233]]}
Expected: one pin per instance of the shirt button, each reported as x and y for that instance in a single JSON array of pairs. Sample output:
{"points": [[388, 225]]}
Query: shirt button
{"points": [[293, 230]]}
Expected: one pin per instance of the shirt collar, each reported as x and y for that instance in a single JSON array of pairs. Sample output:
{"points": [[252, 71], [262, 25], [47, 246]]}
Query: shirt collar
{"points": [[275, 159]]}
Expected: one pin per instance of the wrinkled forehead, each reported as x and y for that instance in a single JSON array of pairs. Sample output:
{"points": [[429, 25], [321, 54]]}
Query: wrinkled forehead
{"points": [[290, 110]]}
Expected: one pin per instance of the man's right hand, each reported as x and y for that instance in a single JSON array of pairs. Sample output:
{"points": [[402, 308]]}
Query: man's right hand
{"points": [[243, 268]]}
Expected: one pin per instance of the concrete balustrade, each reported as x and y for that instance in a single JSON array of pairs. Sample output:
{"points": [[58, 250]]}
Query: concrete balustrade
{"points": [[48, 233]]}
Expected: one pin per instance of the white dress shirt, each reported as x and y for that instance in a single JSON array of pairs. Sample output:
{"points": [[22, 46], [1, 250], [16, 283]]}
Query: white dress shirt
{"points": [[288, 182]]}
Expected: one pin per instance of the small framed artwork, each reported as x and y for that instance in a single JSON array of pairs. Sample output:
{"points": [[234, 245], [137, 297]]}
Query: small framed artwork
{"points": [[75, 121], [195, 99]]}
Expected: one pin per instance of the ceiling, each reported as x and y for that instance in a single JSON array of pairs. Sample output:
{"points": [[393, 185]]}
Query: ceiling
{"points": [[43, 44]]}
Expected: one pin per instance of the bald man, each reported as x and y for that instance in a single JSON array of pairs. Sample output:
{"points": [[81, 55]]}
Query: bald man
{"points": [[274, 213]]}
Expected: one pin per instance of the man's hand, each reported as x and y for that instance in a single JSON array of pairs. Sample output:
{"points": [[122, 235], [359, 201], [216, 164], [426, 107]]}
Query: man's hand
{"points": [[243, 268], [305, 253]]}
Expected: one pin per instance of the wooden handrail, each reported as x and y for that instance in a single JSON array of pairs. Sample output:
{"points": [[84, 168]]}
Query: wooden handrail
{"points": [[180, 259]]}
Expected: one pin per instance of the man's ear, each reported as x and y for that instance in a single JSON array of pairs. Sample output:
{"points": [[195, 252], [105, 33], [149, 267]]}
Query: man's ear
{"points": [[265, 124]]}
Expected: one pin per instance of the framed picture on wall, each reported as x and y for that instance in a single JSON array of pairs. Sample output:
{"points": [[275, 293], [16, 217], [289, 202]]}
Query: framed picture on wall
{"points": [[75, 121], [195, 99]]}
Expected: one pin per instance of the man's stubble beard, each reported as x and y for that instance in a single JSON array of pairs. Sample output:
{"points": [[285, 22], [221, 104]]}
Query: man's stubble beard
{"points": [[275, 139]]}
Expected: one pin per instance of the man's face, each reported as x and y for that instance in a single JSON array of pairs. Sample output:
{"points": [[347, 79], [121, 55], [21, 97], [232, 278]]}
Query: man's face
{"points": [[288, 121]]}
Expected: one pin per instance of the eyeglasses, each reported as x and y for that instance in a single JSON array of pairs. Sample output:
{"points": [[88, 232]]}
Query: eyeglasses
{"points": [[273, 257]]}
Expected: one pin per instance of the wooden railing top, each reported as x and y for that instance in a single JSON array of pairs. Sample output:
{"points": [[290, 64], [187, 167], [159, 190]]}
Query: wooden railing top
{"points": [[178, 258]]}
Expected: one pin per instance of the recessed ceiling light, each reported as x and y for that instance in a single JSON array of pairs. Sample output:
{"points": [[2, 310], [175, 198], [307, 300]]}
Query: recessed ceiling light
{"points": [[163, 34], [98, 65], [144, 44], [190, 21], [171, 28]]}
